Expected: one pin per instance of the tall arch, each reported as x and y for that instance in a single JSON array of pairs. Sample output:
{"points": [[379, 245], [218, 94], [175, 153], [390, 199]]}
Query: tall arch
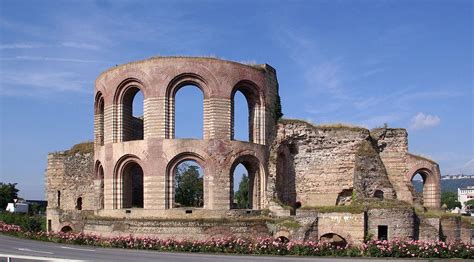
{"points": [[170, 190], [430, 188], [99, 176], [99, 119], [173, 87], [128, 183], [255, 180], [255, 103], [188, 112], [128, 127]]}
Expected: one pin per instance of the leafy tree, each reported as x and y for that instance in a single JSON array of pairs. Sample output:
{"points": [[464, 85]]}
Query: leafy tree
{"points": [[8, 192], [450, 199], [470, 203], [242, 195], [189, 186]]}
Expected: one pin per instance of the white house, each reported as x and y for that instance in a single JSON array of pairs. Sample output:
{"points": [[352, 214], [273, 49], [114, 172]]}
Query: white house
{"points": [[20, 207], [465, 194]]}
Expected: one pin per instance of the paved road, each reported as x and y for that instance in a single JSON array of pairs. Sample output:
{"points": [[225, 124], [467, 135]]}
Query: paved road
{"points": [[29, 250]]}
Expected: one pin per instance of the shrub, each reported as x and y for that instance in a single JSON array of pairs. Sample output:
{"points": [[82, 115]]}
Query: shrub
{"points": [[265, 246], [26, 222]]}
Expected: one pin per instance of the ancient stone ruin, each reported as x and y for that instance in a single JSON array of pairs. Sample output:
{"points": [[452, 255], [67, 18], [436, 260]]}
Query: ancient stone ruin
{"points": [[307, 182]]}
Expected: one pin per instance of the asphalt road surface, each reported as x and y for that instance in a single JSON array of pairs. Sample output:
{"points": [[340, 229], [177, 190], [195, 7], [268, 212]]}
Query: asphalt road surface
{"points": [[16, 249]]}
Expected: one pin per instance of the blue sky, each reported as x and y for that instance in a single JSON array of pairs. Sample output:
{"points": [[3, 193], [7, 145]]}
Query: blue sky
{"points": [[405, 63]]}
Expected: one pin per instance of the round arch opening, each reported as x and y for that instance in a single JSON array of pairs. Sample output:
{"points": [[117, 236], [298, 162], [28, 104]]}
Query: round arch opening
{"points": [[66, 229], [132, 186], [188, 178], [188, 111], [249, 188], [333, 239], [245, 97]]}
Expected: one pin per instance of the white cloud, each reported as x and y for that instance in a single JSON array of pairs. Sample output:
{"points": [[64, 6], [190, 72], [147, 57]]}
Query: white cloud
{"points": [[80, 45], [58, 59], [33, 83], [22, 46], [420, 121]]}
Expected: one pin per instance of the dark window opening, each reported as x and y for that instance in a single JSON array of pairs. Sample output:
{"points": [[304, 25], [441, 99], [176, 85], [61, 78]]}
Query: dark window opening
{"points": [[133, 186], [79, 203], [66, 229], [378, 194], [59, 199], [49, 225], [382, 233]]}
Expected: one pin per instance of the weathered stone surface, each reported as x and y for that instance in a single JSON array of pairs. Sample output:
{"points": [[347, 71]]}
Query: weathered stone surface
{"points": [[400, 222], [291, 163]]}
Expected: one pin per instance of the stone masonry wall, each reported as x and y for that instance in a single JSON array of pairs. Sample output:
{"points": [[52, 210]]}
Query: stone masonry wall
{"points": [[72, 176], [317, 164], [400, 222], [370, 176], [347, 225], [393, 150]]}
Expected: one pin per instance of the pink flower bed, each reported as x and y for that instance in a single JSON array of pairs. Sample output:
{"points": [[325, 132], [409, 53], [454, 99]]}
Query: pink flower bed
{"points": [[266, 246]]}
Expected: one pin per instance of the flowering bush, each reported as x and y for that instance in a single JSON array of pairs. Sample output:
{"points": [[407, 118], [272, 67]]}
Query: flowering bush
{"points": [[265, 246], [419, 249]]}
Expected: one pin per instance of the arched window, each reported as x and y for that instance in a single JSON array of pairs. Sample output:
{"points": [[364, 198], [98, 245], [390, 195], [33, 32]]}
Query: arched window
{"points": [[59, 199], [241, 117], [254, 116], [189, 112], [188, 184], [378, 194], [66, 229], [252, 166], [132, 114], [240, 188], [418, 182], [99, 119], [100, 177], [132, 186]]}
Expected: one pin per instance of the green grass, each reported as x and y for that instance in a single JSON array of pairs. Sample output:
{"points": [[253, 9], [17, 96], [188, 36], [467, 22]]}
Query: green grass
{"points": [[288, 223], [82, 148], [435, 214], [360, 206], [322, 126]]}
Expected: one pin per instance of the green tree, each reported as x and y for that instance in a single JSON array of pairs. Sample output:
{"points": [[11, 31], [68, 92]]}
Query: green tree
{"points": [[189, 186], [469, 203], [242, 195], [450, 199], [8, 192]]}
